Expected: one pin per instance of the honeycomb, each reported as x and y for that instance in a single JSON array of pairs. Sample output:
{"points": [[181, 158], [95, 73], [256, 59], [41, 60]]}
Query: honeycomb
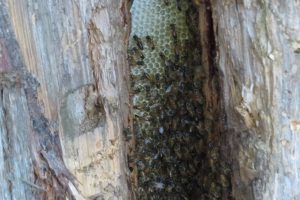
{"points": [[168, 103], [153, 18]]}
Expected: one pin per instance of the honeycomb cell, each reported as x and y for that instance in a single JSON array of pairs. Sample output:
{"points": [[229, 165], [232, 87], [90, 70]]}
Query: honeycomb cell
{"points": [[153, 18]]}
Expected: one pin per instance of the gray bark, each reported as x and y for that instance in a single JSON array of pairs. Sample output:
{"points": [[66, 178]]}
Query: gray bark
{"points": [[64, 96], [63, 85], [258, 43]]}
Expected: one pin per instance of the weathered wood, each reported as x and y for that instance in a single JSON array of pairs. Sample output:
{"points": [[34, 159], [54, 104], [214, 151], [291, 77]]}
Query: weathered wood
{"points": [[64, 96], [78, 100], [258, 44]]}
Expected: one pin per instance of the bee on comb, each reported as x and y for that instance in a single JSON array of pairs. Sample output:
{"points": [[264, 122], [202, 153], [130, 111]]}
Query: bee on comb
{"points": [[139, 42], [150, 42]]}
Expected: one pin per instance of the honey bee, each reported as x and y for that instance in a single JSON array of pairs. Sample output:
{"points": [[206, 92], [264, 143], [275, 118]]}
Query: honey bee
{"points": [[178, 5], [139, 42], [172, 103], [153, 78], [173, 31], [166, 2], [134, 78], [133, 62], [174, 124], [162, 56], [168, 63], [150, 77], [140, 62], [138, 53], [176, 52], [147, 88], [150, 42]]}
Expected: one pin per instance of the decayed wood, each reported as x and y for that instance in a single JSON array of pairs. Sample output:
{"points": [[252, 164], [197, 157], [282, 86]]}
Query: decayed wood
{"points": [[214, 122], [64, 99], [258, 44], [63, 83]]}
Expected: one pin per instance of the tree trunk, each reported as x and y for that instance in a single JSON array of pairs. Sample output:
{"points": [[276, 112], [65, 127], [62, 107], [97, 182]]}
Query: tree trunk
{"points": [[258, 46], [64, 104], [64, 99]]}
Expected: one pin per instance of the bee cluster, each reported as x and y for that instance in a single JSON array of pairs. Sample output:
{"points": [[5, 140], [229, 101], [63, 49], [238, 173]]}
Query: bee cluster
{"points": [[172, 156]]}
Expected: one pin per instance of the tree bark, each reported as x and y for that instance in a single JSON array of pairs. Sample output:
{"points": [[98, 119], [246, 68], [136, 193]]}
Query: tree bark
{"points": [[64, 99], [258, 45], [65, 96]]}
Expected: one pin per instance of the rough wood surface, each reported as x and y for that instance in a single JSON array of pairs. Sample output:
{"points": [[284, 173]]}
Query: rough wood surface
{"points": [[63, 83], [72, 57], [258, 44]]}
